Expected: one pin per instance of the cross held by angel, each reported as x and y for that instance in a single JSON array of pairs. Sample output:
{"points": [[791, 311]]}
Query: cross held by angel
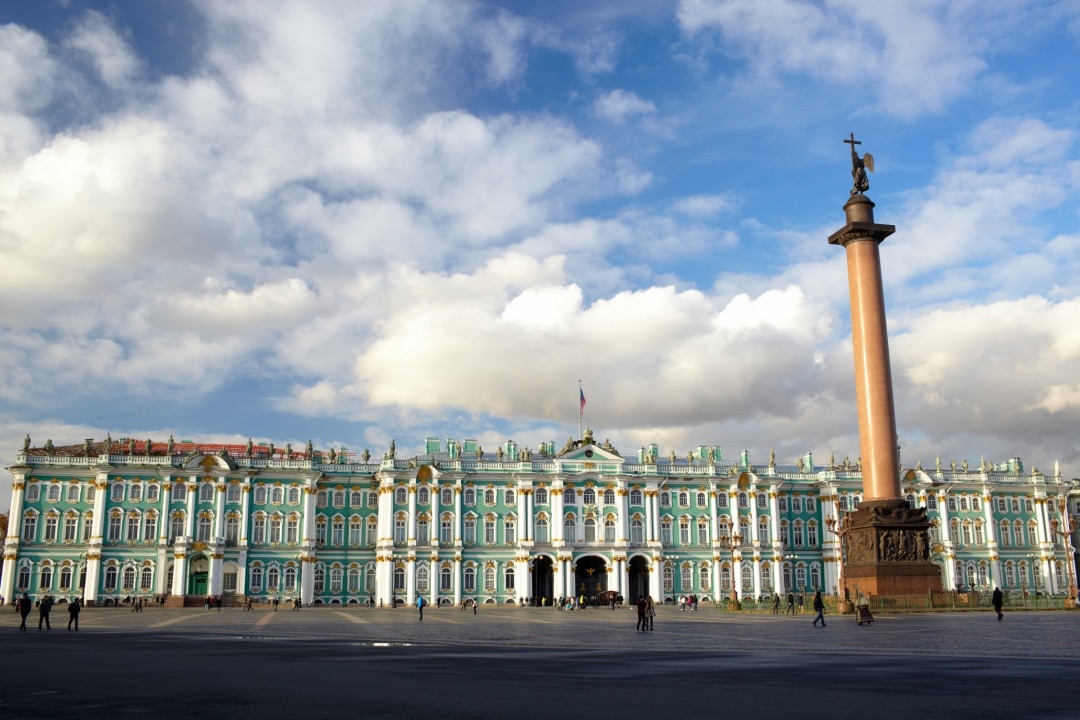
{"points": [[859, 166]]}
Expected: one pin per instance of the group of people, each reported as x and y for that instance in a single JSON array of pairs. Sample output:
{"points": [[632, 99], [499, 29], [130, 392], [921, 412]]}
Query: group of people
{"points": [[688, 603], [792, 599], [646, 612], [23, 605]]}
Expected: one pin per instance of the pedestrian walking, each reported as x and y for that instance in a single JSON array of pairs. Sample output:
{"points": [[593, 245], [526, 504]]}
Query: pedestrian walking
{"points": [[775, 603], [43, 612], [641, 621], [790, 604], [73, 614], [800, 601], [420, 602], [998, 601], [650, 611], [24, 609], [819, 605]]}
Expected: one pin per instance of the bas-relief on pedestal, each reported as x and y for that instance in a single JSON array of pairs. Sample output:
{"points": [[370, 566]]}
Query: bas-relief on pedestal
{"points": [[888, 551]]}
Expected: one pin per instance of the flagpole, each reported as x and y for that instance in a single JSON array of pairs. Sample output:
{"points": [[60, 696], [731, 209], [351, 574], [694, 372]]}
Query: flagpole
{"points": [[581, 409]]}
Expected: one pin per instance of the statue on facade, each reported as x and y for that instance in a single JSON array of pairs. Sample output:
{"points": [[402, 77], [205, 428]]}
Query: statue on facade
{"points": [[479, 452], [937, 463], [26, 443], [333, 456], [149, 446], [965, 466], [288, 451], [169, 446], [86, 446], [800, 465], [131, 446], [392, 453], [309, 451], [499, 453], [588, 438], [859, 166], [270, 450], [366, 455], [249, 448], [772, 459]]}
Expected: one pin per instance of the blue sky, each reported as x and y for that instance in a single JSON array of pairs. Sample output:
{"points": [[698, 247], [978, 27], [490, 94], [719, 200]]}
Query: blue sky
{"points": [[351, 222]]}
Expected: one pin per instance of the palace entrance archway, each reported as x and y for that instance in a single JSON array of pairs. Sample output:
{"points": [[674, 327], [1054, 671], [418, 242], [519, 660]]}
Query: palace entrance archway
{"points": [[198, 576], [543, 580], [639, 579], [590, 577]]}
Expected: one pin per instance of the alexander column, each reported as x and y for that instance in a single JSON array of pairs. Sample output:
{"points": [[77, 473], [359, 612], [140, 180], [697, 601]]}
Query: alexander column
{"points": [[888, 548]]}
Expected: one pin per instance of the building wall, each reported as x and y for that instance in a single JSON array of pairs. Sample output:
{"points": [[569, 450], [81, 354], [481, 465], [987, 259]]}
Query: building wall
{"points": [[451, 528]]}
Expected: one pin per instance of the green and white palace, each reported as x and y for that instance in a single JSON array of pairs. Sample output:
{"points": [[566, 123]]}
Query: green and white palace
{"points": [[110, 521]]}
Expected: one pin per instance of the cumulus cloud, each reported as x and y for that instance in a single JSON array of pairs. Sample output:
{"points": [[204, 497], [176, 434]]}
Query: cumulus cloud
{"points": [[620, 105], [112, 58], [916, 57]]}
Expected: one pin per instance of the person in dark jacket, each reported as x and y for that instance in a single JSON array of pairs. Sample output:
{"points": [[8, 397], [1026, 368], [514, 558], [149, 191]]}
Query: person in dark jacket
{"points": [[819, 605], [43, 612], [73, 614], [998, 600], [24, 609]]}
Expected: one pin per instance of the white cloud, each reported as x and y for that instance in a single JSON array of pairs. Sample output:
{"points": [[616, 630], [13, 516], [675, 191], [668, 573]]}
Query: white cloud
{"points": [[115, 62], [619, 105], [915, 57]]}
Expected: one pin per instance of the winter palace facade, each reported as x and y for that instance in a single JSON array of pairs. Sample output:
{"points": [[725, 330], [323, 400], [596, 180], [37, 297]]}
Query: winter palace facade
{"points": [[116, 520]]}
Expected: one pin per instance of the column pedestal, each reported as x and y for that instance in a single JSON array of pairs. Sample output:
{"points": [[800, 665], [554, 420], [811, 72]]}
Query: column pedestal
{"points": [[888, 551]]}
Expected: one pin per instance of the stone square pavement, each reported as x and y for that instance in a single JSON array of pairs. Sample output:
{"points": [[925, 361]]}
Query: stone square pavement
{"points": [[1029, 634]]}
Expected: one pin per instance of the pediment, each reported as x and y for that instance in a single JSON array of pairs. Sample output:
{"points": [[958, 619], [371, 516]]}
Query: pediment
{"points": [[590, 453]]}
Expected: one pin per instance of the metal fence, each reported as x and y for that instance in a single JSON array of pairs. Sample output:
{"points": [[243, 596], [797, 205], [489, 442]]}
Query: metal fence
{"points": [[931, 602]]}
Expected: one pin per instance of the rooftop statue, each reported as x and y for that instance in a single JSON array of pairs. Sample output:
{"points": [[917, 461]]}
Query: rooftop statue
{"points": [[859, 166]]}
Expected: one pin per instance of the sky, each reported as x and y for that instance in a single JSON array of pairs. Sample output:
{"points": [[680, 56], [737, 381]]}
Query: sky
{"points": [[356, 222]]}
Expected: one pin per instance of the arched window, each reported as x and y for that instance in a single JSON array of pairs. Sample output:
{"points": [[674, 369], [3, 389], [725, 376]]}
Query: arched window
{"points": [[65, 577], [206, 492], [800, 577], [275, 528], [489, 496], [176, 526], [447, 496], [669, 580], [766, 576], [684, 499], [294, 496], [541, 496], [232, 530], [609, 497], [372, 532], [110, 578], [400, 521], [337, 531], [273, 580], [422, 580], [277, 495], [320, 580], [489, 578], [684, 531], [46, 577], [510, 498], [569, 530], [118, 491], [260, 495], [589, 496], [1010, 575], [338, 499], [33, 492], [590, 530], [702, 531], [509, 578], [356, 500], [665, 531], [542, 530], [423, 495], [702, 500], [705, 573], [568, 496], [725, 578], [470, 579], [401, 495], [234, 493], [129, 578], [763, 529], [446, 580], [798, 530], [320, 499], [609, 530], [721, 499], [635, 497], [256, 578], [747, 578], [665, 499], [686, 577], [203, 532], [335, 580], [354, 580], [815, 578], [469, 496], [637, 531], [1005, 532], [423, 531], [290, 579]]}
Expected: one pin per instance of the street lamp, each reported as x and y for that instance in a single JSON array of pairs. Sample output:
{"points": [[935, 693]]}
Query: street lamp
{"points": [[840, 528]]}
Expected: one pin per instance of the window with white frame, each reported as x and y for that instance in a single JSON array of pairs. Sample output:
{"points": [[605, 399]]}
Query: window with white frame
{"points": [[609, 497], [33, 492], [152, 493], [71, 527], [73, 493], [422, 580], [423, 495], [635, 497], [540, 497], [110, 578], [234, 493], [117, 492], [637, 531], [470, 531], [260, 495], [294, 496], [206, 492]]}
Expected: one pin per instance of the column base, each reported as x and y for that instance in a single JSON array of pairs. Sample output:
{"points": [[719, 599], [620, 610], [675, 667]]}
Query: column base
{"points": [[888, 551]]}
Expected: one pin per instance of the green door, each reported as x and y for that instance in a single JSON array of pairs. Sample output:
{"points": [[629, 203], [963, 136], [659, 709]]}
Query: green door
{"points": [[197, 584]]}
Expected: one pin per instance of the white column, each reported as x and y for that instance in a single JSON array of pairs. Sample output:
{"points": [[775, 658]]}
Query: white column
{"points": [[778, 574], [459, 523], [714, 517], [410, 580], [556, 528], [736, 574], [753, 518], [434, 572], [622, 498], [992, 539], [166, 521], [219, 511], [774, 521], [162, 571], [717, 590], [411, 537], [656, 581], [521, 577], [192, 492], [757, 575], [457, 579], [179, 586], [524, 522], [307, 546], [93, 550], [245, 518], [11, 542]]}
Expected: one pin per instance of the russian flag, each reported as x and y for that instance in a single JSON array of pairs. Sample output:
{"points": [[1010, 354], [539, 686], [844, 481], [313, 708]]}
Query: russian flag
{"points": [[581, 408]]}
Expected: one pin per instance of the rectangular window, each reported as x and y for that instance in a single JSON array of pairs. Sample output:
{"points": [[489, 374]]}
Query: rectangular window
{"points": [[470, 531], [114, 527], [150, 528], [71, 528], [133, 528], [489, 532], [446, 531], [228, 582], [292, 530]]}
